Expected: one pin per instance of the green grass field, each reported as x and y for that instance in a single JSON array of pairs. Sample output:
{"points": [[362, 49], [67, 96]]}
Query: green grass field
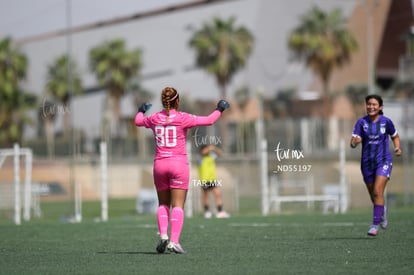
{"points": [[307, 243]]}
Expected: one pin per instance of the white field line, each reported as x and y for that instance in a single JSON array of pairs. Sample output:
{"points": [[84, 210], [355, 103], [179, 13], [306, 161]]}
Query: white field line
{"points": [[326, 224]]}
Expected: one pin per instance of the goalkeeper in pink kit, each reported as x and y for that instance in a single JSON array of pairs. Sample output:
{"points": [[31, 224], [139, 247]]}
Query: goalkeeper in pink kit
{"points": [[171, 170]]}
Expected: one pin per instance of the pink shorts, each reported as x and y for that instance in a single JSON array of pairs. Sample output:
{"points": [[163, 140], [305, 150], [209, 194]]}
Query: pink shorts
{"points": [[171, 174]]}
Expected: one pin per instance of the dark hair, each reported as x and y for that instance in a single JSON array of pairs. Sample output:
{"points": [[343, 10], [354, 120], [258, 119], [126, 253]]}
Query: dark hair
{"points": [[203, 146], [377, 98]]}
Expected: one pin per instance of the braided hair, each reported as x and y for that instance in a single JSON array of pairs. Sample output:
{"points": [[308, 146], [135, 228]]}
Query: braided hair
{"points": [[169, 99]]}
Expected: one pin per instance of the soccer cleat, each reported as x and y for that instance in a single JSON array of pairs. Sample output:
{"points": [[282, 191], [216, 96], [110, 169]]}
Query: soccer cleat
{"points": [[208, 215], [222, 215], [176, 248], [384, 220], [373, 230], [162, 244]]}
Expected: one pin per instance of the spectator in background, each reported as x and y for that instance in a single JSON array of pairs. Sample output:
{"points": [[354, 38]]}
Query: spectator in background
{"points": [[209, 182]]}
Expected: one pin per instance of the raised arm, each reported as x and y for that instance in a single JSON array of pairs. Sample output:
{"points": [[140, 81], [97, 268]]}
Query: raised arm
{"points": [[214, 116], [207, 120], [139, 118], [215, 149]]}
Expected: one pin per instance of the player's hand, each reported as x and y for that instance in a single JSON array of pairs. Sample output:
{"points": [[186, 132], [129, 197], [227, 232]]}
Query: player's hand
{"points": [[222, 105], [144, 107], [397, 151], [355, 141]]}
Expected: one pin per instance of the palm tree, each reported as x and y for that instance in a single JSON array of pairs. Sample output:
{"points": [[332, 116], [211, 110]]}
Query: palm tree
{"points": [[323, 41], [62, 86], [139, 93], [222, 49], [14, 102], [356, 94], [47, 115], [13, 117], [242, 96], [114, 66]]}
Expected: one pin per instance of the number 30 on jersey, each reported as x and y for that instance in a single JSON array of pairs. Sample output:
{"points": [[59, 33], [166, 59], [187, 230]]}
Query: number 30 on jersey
{"points": [[166, 135]]}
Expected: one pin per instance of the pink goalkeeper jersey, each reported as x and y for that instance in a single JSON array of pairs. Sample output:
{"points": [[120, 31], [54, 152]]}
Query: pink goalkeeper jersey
{"points": [[170, 131]]}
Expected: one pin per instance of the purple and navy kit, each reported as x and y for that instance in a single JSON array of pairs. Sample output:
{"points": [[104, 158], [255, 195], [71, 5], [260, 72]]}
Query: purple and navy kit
{"points": [[376, 157]]}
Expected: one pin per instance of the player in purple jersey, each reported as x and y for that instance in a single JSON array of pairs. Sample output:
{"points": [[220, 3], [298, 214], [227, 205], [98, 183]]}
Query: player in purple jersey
{"points": [[373, 132], [171, 170]]}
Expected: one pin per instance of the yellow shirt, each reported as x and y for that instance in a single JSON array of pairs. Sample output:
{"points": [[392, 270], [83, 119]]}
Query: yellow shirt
{"points": [[207, 168]]}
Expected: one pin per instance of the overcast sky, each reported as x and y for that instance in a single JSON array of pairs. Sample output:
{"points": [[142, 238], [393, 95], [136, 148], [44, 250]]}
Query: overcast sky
{"points": [[25, 18]]}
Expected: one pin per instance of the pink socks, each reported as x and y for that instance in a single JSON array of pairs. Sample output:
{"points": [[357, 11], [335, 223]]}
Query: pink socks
{"points": [[163, 214], [177, 221]]}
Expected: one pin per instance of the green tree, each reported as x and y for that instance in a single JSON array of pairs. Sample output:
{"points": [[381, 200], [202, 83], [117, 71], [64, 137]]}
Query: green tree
{"points": [[47, 116], [14, 101], [244, 132], [323, 41], [114, 67], [222, 49], [62, 87], [139, 93]]}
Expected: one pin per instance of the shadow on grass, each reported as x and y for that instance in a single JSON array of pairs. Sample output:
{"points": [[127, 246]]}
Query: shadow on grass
{"points": [[129, 253], [362, 238]]}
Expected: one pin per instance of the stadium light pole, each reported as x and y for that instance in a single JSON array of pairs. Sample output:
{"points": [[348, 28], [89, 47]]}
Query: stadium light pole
{"points": [[369, 8], [76, 188], [17, 194], [261, 147], [259, 123], [370, 52], [104, 181]]}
